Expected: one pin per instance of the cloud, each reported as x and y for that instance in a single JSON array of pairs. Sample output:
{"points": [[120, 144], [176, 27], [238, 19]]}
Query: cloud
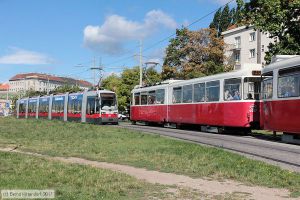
{"points": [[111, 36], [24, 57]]}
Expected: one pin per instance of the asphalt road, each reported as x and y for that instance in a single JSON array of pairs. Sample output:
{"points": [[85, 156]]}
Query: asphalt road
{"points": [[286, 156]]}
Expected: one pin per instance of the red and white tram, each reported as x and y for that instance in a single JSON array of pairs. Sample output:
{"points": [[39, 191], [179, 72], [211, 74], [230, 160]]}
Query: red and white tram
{"points": [[98, 107], [281, 98], [223, 101]]}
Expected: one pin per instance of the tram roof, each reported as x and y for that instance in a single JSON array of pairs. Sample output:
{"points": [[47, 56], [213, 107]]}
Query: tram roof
{"points": [[246, 71], [92, 92], [291, 62]]}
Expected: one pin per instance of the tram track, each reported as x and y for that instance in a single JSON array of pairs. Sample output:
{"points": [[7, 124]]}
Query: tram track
{"points": [[284, 155]]}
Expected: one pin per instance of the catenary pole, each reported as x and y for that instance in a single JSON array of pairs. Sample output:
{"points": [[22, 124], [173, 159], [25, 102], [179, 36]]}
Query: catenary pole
{"points": [[141, 64]]}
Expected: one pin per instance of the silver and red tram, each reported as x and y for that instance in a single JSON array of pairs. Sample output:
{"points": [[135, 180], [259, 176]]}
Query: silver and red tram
{"points": [[98, 107], [281, 98], [217, 102]]}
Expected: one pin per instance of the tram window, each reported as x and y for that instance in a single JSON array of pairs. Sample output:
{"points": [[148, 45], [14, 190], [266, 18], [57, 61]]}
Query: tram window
{"points": [[267, 88], [44, 105], [58, 104], [92, 106], [177, 95], [213, 91], [267, 92], [252, 88], [187, 94], [151, 97], [144, 97], [160, 96], [32, 106], [97, 106], [136, 98], [22, 107], [289, 82], [232, 89], [199, 92], [74, 104]]}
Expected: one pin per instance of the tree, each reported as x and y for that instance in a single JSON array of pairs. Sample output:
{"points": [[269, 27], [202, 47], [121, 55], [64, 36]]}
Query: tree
{"points": [[226, 19], [281, 18], [174, 54], [151, 76], [215, 24], [238, 14], [66, 88], [200, 53]]}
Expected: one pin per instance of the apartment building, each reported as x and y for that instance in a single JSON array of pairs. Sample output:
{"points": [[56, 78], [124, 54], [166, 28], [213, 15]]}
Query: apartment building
{"points": [[42, 82], [245, 45]]}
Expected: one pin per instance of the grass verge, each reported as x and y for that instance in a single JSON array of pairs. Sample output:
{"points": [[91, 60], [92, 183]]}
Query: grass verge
{"points": [[70, 181], [117, 145]]}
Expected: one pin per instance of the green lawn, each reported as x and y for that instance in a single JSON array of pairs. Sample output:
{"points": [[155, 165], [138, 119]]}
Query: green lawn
{"points": [[119, 145], [70, 181]]}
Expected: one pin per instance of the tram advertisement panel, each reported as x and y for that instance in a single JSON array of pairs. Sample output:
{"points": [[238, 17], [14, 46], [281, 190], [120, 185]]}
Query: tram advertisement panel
{"points": [[74, 107], [32, 106], [43, 107], [58, 107]]}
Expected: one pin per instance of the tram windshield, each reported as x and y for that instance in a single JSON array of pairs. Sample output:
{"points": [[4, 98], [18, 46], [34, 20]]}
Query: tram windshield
{"points": [[108, 101], [252, 88]]}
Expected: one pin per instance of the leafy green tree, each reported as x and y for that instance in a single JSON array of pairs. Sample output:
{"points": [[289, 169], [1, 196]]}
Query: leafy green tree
{"points": [[174, 54], [226, 19], [66, 88], [216, 23], [33, 93], [238, 13], [281, 18], [151, 76], [200, 53]]}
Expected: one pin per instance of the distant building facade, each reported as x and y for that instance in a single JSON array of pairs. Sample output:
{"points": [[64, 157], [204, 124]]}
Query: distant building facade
{"points": [[4, 91], [4, 99], [245, 45], [42, 82]]}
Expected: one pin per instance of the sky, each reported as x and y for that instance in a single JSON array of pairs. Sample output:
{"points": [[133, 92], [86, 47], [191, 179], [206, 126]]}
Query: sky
{"points": [[66, 37]]}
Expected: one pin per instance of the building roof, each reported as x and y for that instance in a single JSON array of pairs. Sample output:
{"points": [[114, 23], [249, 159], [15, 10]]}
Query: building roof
{"points": [[45, 77], [4, 87], [235, 28]]}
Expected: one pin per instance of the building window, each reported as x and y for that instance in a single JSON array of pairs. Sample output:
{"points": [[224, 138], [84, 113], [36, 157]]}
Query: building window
{"points": [[252, 37], [237, 57], [237, 42], [252, 53], [262, 48]]}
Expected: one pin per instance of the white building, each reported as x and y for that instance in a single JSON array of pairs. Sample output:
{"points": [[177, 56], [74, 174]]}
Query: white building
{"points": [[245, 45], [42, 82]]}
